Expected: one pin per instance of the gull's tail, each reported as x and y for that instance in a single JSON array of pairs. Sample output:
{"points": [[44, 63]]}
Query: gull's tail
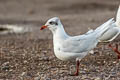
{"points": [[103, 28], [118, 17]]}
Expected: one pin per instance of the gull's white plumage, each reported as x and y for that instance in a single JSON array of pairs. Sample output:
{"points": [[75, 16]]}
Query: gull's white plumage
{"points": [[67, 47]]}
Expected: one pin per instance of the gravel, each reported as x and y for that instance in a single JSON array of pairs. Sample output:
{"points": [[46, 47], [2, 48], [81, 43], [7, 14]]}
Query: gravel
{"points": [[26, 58]]}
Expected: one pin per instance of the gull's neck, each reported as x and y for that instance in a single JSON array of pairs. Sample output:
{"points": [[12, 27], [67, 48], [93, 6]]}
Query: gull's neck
{"points": [[59, 33]]}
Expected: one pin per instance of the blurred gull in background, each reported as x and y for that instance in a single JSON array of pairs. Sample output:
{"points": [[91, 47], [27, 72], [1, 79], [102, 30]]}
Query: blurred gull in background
{"points": [[112, 33], [9, 29]]}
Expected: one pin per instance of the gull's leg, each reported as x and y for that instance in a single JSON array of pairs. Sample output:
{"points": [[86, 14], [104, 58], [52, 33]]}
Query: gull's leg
{"points": [[118, 56], [77, 68], [115, 49]]}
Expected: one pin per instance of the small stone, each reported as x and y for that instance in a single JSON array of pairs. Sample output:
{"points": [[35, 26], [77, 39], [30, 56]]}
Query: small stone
{"points": [[97, 78], [37, 78], [25, 61], [84, 77], [23, 73], [5, 66], [114, 62], [6, 63]]}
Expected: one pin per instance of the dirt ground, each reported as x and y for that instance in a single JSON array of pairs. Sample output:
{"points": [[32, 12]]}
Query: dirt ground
{"points": [[29, 56]]}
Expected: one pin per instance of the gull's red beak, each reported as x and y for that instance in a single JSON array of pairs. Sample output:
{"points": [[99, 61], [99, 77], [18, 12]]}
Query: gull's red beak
{"points": [[43, 27]]}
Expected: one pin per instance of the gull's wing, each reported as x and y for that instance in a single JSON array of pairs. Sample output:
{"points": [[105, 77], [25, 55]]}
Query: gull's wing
{"points": [[75, 45], [79, 44]]}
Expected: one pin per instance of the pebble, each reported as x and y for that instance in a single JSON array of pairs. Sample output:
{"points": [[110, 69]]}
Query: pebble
{"points": [[97, 78], [37, 78]]}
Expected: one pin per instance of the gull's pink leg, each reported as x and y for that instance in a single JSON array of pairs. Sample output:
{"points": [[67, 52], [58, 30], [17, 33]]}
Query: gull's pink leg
{"points": [[77, 69], [115, 50]]}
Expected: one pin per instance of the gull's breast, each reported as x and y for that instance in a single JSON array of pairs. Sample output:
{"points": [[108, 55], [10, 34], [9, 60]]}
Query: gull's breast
{"points": [[65, 56]]}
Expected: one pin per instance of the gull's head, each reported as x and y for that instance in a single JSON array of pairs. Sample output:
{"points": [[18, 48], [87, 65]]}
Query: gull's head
{"points": [[52, 24]]}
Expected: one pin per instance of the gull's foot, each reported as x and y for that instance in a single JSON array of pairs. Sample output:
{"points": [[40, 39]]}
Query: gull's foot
{"points": [[75, 74], [115, 49], [77, 69]]}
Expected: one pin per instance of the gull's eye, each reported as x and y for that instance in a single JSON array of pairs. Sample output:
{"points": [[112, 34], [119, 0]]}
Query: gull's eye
{"points": [[51, 23], [55, 23]]}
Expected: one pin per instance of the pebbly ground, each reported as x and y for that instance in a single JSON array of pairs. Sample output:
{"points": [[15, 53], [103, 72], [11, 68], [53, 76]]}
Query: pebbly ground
{"points": [[29, 55], [26, 58]]}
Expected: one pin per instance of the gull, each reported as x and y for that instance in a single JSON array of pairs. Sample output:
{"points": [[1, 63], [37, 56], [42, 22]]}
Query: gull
{"points": [[73, 48], [112, 33]]}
